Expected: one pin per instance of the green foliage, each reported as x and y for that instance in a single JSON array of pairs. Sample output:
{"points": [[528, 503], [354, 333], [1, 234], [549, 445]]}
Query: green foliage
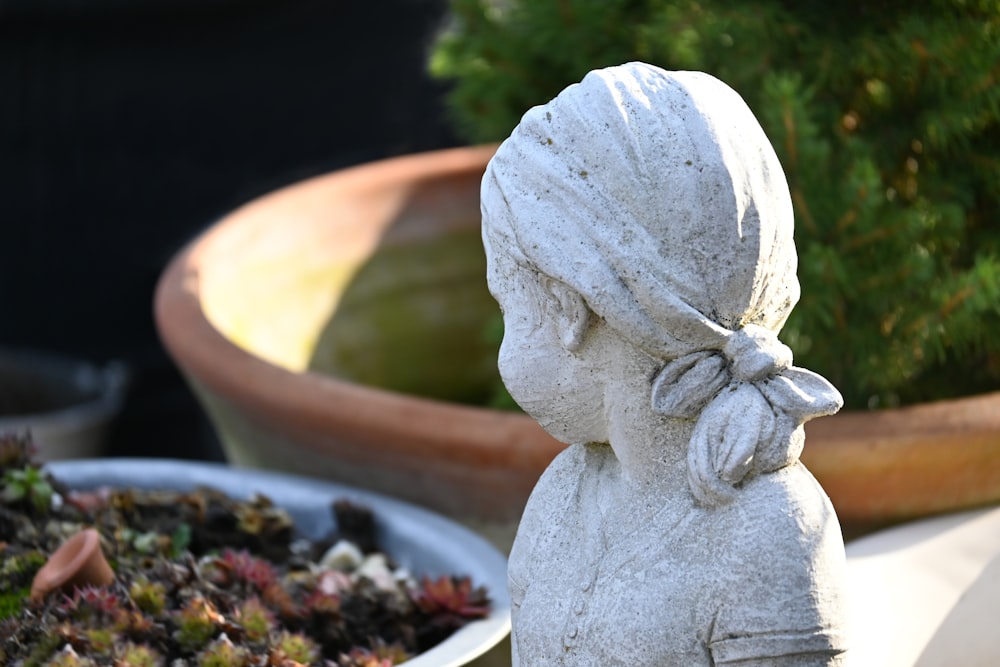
{"points": [[16, 574], [886, 117], [180, 540], [12, 601]]}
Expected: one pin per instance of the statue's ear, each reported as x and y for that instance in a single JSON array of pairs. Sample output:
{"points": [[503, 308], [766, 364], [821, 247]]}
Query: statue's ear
{"points": [[572, 314]]}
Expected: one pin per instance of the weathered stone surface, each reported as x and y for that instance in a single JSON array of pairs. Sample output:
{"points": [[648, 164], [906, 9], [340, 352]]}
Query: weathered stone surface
{"points": [[638, 231]]}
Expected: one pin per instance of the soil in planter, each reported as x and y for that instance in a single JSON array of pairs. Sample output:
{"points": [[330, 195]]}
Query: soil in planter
{"points": [[202, 579]]}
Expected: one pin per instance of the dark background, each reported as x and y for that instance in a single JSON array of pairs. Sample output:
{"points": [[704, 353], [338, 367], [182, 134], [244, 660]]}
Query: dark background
{"points": [[128, 127]]}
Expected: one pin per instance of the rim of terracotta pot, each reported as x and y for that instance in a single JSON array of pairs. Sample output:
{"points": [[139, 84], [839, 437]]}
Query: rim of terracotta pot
{"points": [[890, 465], [317, 400], [878, 466]]}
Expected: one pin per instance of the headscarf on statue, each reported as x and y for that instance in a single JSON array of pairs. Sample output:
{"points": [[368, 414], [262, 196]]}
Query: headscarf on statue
{"points": [[696, 265]]}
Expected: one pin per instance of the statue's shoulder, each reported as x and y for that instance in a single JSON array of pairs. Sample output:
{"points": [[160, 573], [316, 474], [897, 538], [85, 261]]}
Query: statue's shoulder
{"points": [[783, 545], [566, 469], [561, 478], [553, 507], [794, 488], [784, 514]]}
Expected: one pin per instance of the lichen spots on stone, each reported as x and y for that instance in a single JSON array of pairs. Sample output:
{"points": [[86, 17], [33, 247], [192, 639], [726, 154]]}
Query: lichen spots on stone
{"points": [[688, 162], [583, 173]]}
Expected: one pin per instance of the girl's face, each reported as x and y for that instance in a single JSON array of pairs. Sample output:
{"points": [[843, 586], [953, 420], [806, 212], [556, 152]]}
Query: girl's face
{"points": [[555, 386]]}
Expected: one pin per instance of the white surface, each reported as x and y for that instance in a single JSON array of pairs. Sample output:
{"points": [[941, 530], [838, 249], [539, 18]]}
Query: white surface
{"points": [[927, 593]]}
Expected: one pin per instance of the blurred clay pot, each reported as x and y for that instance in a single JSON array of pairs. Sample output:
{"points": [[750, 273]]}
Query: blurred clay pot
{"points": [[277, 315], [887, 466], [246, 308]]}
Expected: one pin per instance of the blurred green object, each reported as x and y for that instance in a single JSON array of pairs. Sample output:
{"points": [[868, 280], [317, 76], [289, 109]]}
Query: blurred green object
{"points": [[410, 321], [886, 117]]}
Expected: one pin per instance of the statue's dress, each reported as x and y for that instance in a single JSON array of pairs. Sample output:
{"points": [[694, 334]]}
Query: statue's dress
{"points": [[674, 586]]}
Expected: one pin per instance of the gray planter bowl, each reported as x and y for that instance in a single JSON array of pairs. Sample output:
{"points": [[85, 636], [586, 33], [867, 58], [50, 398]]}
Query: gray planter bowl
{"points": [[422, 541], [67, 404]]}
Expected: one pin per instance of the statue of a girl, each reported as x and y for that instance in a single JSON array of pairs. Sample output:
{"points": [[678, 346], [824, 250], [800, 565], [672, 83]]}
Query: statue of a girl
{"points": [[638, 230]]}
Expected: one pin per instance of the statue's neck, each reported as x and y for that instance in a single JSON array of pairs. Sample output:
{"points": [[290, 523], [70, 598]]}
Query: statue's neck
{"points": [[651, 449], [652, 453]]}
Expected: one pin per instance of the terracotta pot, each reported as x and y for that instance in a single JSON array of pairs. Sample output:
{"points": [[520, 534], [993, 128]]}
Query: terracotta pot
{"points": [[270, 410], [242, 308], [884, 467], [78, 562]]}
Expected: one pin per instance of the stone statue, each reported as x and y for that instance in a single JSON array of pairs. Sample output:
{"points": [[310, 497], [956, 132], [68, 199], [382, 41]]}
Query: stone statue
{"points": [[638, 232]]}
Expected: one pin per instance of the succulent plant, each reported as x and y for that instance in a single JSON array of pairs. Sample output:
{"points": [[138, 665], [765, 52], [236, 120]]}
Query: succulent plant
{"points": [[28, 484], [101, 640], [16, 450], [222, 652], [361, 657], [256, 619], [148, 595], [197, 622], [246, 568], [296, 647], [451, 600], [68, 657], [132, 655]]}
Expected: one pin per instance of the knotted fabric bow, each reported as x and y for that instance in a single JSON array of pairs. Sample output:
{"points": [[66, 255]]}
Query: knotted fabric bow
{"points": [[750, 403]]}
